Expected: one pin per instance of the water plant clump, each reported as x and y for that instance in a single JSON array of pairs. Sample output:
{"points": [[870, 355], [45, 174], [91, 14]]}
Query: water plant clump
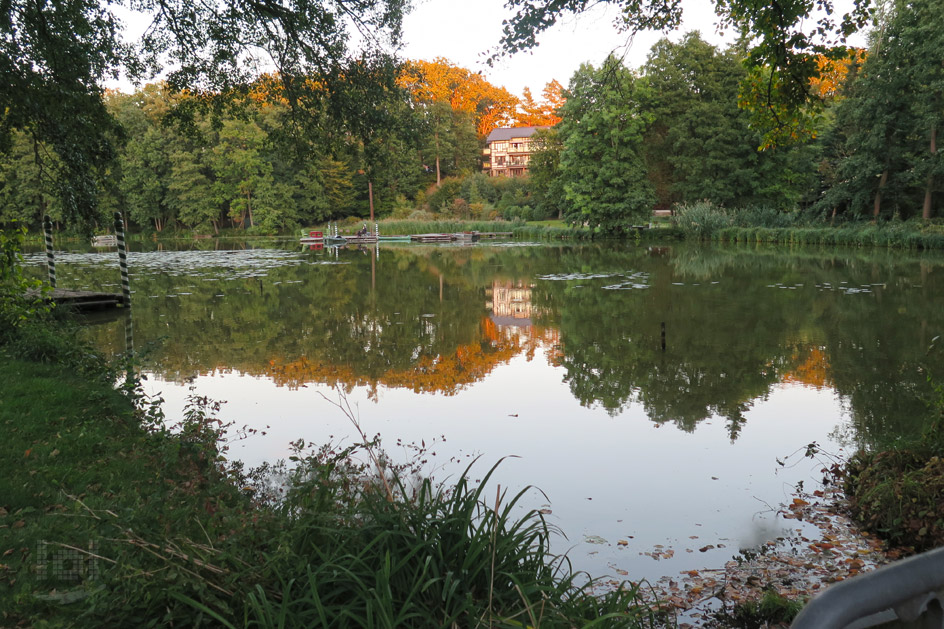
{"points": [[895, 489]]}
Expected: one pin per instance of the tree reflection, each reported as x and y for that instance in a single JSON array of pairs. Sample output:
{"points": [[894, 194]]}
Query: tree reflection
{"points": [[739, 322]]}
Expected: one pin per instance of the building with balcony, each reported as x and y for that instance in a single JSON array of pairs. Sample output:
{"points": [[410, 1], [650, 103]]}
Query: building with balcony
{"points": [[508, 151]]}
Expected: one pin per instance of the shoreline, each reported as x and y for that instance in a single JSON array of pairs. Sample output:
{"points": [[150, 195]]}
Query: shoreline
{"points": [[795, 567]]}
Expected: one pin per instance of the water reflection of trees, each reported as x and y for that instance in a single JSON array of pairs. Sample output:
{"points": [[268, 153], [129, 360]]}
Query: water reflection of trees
{"points": [[738, 322], [864, 320]]}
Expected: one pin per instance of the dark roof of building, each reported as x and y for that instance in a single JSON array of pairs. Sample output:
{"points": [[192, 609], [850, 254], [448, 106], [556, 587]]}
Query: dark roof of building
{"points": [[508, 133]]}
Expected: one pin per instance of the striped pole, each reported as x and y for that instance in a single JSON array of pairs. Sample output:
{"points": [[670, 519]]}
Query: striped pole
{"points": [[130, 378], [376, 230], [123, 258], [50, 257]]}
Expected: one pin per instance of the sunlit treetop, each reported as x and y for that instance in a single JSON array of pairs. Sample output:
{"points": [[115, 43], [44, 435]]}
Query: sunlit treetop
{"points": [[442, 81]]}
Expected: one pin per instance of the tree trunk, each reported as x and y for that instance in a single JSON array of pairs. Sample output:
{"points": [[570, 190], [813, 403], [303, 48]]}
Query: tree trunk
{"points": [[878, 194], [438, 178], [926, 211], [249, 207], [370, 196]]}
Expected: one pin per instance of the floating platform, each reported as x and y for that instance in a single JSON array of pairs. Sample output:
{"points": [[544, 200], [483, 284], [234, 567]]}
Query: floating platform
{"points": [[432, 237], [317, 237], [82, 300]]}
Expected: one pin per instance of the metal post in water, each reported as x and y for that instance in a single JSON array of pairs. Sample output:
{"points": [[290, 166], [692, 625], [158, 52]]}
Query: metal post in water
{"points": [[50, 256], [123, 259], [377, 230]]}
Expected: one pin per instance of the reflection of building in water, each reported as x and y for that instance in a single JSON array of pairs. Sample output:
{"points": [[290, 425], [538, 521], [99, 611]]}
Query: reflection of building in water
{"points": [[510, 303], [511, 319]]}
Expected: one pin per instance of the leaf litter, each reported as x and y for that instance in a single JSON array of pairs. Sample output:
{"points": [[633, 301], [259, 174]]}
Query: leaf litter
{"points": [[795, 566]]}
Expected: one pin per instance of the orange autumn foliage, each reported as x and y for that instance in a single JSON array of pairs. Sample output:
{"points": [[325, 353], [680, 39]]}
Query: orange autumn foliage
{"points": [[813, 371], [832, 73], [446, 374], [441, 81], [544, 113]]}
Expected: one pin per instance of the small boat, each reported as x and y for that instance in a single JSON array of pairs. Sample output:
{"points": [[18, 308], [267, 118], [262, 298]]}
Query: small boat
{"points": [[393, 238], [312, 236]]}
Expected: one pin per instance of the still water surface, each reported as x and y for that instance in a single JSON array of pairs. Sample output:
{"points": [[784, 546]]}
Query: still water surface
{"points": [[554, 355]]}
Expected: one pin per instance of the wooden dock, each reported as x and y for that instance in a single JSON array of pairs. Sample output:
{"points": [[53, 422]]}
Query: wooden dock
{"points": [[352, 239], [81, 300]]}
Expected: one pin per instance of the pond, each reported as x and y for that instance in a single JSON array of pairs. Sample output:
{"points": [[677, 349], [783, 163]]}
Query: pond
{"points": [[650, 392]]}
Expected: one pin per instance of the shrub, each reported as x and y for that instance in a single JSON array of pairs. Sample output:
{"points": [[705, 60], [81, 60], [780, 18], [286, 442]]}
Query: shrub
{"points": [[701, 220]]}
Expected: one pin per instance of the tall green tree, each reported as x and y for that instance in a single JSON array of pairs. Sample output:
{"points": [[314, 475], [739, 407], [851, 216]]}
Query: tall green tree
{"points": [[884, 146], [604, 175], [190, 192], [544, 170], [701, 145]]}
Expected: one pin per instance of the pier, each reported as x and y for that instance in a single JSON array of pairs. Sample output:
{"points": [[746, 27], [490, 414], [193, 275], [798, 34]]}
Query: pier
{"points": [[317, 237], [80, 300]]}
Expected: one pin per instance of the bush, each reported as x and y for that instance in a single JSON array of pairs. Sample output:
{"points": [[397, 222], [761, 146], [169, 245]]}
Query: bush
{"points": [[702, 220]]}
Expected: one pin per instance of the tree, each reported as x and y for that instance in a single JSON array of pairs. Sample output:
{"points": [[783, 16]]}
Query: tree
{"points": [[466, 91], [701, 145], [544, 113], [780, 31], [54, 57], [601, 164], [544, 172], [884, 147], [190, 192]]}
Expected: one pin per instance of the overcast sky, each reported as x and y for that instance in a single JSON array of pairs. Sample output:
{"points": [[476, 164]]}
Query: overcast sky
{"points": [[463, 32]]}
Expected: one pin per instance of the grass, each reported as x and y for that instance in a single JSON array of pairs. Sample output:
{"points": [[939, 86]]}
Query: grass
{"points": [[770, 610], [705, 221]]}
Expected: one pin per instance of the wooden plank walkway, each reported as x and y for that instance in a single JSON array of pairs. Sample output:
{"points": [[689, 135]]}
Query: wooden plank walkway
{"points": [[82, 300]]}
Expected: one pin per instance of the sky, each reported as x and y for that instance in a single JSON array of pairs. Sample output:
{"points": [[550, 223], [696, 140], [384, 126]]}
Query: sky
{"points": [[464, 32]]}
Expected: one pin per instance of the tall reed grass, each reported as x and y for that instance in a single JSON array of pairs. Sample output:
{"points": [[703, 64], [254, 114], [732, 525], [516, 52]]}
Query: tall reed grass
{"points": [[705, 221], [369, 543]]}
